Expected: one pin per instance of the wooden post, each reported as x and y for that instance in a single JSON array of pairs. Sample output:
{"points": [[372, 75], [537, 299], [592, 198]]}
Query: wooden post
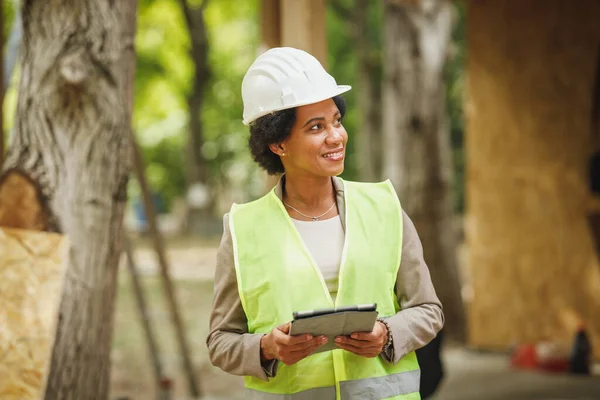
{"points": [[270, 23], [293, 23], [159, 247], [140, 300], [303, 27]]}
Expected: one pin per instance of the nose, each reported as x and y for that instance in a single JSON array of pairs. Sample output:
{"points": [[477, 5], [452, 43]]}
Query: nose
{"points": [[335, 135]]}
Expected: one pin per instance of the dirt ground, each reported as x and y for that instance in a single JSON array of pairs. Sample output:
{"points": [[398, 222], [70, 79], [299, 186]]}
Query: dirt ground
{"points": [[192, 268], [469, 375]]}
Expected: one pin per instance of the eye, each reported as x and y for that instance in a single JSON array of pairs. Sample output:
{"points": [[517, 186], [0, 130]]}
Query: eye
{"points": [[338, 121], [316, 127]]}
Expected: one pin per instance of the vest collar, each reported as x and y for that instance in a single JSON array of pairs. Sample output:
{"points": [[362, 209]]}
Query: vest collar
{"points": [[338, 186]]}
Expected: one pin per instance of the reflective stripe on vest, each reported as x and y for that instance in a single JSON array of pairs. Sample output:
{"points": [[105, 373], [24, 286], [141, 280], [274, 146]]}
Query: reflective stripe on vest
{"points": [[382, 387], [277, 275], [324, 393]]}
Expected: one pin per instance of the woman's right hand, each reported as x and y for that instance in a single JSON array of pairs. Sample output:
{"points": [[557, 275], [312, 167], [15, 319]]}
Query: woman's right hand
{"points": [[288, 349]]}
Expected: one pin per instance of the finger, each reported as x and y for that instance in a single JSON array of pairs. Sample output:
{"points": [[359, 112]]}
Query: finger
{"points": [[287, 340], [285, 328], [299, 355], [364, 336], [315, 342], [358, 343], [359, 351], [283, 338], [290, 358], [379, 330]]}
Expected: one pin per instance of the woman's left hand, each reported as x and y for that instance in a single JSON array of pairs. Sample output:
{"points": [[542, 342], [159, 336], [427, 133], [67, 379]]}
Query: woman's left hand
{"points": [[365, 344]]}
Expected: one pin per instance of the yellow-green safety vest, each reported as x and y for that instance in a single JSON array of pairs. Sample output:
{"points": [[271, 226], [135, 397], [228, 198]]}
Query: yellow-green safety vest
{"points": [[277, 275]]}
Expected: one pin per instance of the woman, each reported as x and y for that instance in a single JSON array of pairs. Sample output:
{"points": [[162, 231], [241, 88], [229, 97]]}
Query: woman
{"points": [[316, 241]]}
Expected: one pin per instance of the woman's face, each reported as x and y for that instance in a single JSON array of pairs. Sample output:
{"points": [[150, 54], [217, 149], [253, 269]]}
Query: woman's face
{"points": [[317, 142]]}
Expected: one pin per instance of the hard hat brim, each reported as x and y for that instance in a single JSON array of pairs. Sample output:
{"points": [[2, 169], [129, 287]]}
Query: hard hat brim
{"points": [[336, 92]]}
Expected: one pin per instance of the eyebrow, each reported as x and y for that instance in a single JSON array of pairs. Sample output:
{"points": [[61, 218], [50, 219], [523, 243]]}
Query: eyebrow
{"points": [[313, 120], [320, 119]]}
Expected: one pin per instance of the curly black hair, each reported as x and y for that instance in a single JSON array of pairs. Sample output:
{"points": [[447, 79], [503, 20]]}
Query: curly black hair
{"points": [[275, 128]]}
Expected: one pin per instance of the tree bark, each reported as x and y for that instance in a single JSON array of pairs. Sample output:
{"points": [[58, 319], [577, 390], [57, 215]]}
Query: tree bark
{"points": [[416, 147], [72, 137]]}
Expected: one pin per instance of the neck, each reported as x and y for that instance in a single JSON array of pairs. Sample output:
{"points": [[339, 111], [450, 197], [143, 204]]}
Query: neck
{"points": [[310, 192]]}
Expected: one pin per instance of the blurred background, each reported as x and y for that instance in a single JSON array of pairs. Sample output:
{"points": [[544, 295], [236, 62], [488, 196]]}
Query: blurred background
{"points": [[483, 113]]}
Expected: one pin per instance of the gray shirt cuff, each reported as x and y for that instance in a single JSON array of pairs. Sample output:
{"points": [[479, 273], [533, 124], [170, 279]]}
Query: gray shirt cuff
{"points": [[270, 367], [388, 354]]}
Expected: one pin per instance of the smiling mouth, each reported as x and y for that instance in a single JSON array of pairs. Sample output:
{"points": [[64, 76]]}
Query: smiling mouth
{"points": [[336, 154]]}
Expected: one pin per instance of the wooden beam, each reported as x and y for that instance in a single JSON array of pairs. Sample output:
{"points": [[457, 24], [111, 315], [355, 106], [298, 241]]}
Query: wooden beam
{"points": [[270, 23], [303, 26], [293, 23]]}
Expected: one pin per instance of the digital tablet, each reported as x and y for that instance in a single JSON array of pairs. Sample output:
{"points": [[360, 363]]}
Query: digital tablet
{"points": [[332, 322]]}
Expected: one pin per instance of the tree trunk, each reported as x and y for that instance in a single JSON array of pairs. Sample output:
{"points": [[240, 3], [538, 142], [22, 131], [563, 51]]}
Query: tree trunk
{"points": [[197, 165], [368, 96], [72, 137], [417, 152]]}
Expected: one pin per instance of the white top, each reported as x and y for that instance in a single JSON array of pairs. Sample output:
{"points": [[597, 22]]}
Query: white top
{"points": [[325, 242]]}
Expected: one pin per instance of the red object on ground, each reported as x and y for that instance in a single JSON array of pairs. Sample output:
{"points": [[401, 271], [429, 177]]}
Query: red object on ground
{"points": [[166, 383], [557, 365], [525, 356]]}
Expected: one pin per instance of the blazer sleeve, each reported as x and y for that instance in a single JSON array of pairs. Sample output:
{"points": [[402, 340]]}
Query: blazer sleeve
{"points": [[230, 346], [421, 316]]}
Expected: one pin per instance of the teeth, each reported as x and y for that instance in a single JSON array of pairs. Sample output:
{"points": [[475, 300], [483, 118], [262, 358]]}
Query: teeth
{"points": [[338, 154]]}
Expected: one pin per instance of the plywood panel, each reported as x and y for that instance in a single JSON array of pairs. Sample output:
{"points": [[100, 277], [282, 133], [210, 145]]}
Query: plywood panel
{"points": [[32, 269], [531, 73]]}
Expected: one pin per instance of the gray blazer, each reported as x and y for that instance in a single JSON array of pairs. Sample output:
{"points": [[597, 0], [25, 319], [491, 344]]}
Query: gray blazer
{"points": [[236, 351]]}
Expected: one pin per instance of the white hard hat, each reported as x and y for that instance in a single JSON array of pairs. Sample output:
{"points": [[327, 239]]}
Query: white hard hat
{"points": [[283, 78]]}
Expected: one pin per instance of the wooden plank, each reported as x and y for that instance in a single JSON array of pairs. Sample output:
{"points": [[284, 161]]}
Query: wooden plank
{"points": [[32, 271]]}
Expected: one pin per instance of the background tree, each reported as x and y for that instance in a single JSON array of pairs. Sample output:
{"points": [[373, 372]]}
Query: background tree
{"points": [[417, 151], [197, 168], [164, 78], [72, 137]]}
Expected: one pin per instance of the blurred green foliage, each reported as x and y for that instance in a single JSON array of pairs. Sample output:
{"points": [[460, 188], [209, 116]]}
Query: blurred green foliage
{"points": [[164, 75], [163, 79]]}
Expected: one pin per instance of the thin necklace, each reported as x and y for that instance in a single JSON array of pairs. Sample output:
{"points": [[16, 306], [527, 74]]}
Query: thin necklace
{"points": [[308, 216]]}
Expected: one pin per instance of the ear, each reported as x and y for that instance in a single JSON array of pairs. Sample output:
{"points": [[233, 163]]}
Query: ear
{"points": [[277, 148]]}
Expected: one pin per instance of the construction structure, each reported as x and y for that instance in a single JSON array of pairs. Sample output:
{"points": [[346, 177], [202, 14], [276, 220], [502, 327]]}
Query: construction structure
{"points": [[532, 80]]}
